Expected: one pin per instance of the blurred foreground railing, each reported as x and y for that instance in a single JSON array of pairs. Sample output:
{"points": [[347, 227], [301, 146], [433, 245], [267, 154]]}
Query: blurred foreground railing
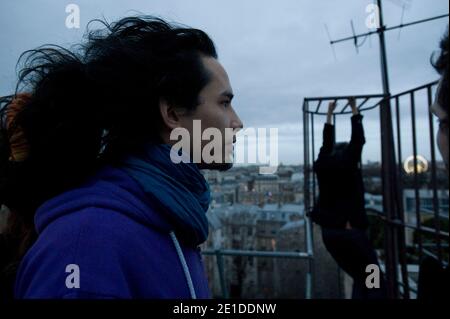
{"points": [[219, 253]]}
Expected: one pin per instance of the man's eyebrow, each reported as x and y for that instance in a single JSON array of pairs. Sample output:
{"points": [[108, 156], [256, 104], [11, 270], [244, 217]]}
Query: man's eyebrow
{"points": [[227, 94]]}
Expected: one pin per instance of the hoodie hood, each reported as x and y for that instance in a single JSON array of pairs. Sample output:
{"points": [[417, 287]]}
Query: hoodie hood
{"points": [[122, 193], [124, 246]]}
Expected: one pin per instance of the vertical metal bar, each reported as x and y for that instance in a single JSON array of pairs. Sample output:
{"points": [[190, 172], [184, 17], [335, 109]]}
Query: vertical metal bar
{"points": [[219, 259], [437, 224], [305, 176], [389, 176], [309, 248], [334, 127], [416, 182], [308, 286], [402, 238], [313, 158], [307, 173], [309, 225], [306, 158], [399, 145], [390, 198], [383, 56]]}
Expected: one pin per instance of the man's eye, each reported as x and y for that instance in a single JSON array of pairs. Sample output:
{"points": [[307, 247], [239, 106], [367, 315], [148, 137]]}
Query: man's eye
{"points": [[226, 103]]}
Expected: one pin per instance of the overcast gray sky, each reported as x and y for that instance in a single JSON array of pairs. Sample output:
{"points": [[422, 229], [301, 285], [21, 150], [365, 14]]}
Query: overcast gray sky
{"points": [[275, 52]]}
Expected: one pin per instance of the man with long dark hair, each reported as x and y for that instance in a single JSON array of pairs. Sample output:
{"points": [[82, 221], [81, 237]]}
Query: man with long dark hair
{"points": [[114, 215]]}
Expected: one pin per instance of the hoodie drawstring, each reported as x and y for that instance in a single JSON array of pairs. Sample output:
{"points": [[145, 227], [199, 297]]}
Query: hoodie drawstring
{"points": [[184, 265]]}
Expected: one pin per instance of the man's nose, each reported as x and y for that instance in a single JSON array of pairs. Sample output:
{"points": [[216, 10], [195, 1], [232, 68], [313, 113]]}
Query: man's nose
{"points": [[236, 123]]}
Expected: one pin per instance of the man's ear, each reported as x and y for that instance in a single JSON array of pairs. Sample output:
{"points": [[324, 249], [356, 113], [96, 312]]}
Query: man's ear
{"points": [[169, 114]]}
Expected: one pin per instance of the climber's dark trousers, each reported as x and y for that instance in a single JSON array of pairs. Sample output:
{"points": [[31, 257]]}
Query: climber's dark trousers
{"points": [[352, 251]]}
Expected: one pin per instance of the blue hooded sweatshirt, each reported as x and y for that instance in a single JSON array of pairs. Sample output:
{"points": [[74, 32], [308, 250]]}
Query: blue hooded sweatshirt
{"points": [[120, 245]]}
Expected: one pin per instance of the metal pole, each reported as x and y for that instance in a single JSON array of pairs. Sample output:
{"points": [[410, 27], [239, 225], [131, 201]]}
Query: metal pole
{"points": [[306, 158], [389, 174], [307, 199], [402, 241], [416, 181], [220, 266], [437, 224], [313, 158]]}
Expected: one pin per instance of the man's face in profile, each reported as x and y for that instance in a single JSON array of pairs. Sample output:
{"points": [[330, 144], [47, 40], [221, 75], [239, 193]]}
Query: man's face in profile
{"points": [[214, 111]]}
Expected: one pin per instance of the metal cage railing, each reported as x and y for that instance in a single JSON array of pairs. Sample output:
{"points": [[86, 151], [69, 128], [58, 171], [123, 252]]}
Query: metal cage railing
{"points": [[392, 214]]}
